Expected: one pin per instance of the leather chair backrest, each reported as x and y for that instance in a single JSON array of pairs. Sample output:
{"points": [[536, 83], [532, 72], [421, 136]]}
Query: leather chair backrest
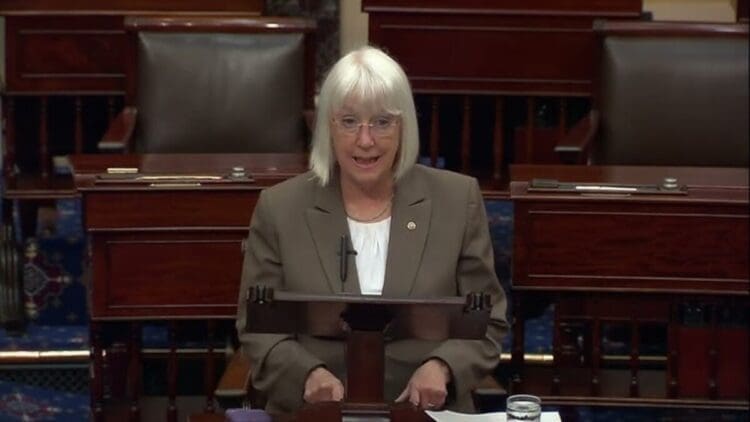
{"points": [[673, 100], [220, 92]]}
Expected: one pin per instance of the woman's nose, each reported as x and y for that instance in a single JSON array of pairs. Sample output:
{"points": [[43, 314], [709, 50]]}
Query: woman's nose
{"points": [[364, 138]]}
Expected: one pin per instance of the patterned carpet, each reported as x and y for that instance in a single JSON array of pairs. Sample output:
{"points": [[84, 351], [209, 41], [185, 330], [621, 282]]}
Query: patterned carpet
{"points": [[20, 402]]}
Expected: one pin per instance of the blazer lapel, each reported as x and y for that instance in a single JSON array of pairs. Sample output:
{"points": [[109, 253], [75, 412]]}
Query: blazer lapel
{"points": [[410, 223], [326, 221]]}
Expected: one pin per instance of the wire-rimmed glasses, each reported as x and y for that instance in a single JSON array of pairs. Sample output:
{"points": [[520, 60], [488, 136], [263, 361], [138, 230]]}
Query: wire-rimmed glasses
{"points": [[379, 126]]}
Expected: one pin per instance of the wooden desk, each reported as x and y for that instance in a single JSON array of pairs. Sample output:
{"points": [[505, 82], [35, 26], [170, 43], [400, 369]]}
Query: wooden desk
{"points": [[149, 242], [638, 258], [167, 250]]}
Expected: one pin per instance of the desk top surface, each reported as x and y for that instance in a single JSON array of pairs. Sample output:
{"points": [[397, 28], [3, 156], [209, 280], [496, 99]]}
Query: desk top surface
{"points": [[701, 184], [263, 169], [695, 176]]}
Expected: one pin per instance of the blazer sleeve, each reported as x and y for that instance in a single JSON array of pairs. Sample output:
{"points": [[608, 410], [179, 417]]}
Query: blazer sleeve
{"points": [[471, 360], [280, 365]]}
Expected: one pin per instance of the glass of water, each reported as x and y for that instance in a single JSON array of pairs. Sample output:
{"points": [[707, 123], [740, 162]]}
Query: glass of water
{"points": [[523, 408]]}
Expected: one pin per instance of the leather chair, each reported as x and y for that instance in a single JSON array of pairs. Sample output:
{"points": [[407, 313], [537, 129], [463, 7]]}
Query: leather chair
{"points": [[215, 85], [671, 94]]}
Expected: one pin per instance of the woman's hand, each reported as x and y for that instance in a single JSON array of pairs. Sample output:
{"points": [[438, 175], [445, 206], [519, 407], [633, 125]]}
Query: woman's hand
{"points": [[427, 388], [321, 385]]}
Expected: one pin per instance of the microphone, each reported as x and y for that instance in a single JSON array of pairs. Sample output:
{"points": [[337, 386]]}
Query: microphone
{"points": [[343, 254]]}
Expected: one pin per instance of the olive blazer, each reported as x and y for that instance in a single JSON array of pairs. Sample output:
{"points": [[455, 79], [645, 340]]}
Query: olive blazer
{"points": [[439, 246]]}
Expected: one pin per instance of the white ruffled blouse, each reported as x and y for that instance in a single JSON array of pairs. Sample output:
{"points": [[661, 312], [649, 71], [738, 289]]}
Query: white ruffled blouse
{"points": [[370, 240]]}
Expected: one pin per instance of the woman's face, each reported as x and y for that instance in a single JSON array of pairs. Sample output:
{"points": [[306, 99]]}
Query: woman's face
{"points": [[365, 144]]}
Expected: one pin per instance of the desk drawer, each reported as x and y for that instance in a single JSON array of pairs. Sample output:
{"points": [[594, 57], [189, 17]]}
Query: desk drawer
{"points": [[134, 210], [166, 273], [642, 247]]}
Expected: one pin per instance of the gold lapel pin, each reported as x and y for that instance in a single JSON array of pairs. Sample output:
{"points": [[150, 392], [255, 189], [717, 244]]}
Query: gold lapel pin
{"points": [[411, 225]]}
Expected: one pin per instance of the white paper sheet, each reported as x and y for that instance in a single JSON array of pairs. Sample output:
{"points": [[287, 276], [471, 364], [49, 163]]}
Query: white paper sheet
{"points": [[448, 416]]}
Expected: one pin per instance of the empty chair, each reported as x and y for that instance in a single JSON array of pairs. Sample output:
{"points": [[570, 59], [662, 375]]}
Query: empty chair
{"points": [[216, 85], [671, 94]]}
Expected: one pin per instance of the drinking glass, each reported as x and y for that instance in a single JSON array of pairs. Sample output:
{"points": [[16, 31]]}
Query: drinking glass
{"points": [[523, 408]]}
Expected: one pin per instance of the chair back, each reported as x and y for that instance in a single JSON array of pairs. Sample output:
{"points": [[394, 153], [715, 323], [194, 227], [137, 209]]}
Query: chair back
{"points": [[672, 94], [221, 85]]}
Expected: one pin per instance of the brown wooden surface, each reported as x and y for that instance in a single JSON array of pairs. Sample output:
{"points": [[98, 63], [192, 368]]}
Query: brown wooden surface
{"points": [[55, 53], [687, 29], [447, 46], [552, 7], [714, 177], [687, 243], [633, 259], [235, 381], [265, 168], [368, 320], [172, 251], [133, 6], [32, 186], [77, 51]]}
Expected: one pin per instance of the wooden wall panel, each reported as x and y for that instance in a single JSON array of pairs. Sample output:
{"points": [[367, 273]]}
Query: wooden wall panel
{"points": [[94, 6], [490, 54], [494, 47], [65, 54]]}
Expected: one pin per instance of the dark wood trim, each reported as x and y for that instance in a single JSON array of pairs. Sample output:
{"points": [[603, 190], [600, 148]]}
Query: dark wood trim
{"points": [[612, 8], [234, 24], [666, 29], [131, 6], [742, 10], [80, 55], [644, 402]]}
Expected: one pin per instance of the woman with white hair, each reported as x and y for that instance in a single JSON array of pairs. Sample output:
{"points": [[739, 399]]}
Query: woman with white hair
{"points": [[418, 232]]}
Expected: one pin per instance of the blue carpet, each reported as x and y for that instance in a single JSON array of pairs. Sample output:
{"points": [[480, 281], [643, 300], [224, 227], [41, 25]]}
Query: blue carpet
{"points": [[47, 337], [25, 403]]}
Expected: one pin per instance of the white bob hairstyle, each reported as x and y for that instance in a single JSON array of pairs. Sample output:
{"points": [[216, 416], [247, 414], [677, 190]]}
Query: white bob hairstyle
{"points": [[369, 77]]}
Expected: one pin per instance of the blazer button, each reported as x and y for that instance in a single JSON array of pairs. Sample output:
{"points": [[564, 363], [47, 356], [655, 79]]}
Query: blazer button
{"points": [[411, 225]]}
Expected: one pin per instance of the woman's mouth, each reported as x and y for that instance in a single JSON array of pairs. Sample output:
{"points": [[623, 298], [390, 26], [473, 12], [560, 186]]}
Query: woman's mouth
{"points": [[366, 161]]}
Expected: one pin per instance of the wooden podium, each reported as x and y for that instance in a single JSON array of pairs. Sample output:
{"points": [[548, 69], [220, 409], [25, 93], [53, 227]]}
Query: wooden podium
{"points": [[366, 322]]}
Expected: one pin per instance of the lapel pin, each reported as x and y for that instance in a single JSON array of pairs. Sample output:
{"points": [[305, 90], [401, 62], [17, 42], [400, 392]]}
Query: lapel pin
{"points": [[411, 225]]}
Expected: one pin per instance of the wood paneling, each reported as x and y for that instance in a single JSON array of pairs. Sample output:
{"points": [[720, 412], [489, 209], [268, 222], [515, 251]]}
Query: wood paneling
{"points": [[487, 47], [197, 208], [135, 6], [668, 258], [65, 54], [191, 273]]}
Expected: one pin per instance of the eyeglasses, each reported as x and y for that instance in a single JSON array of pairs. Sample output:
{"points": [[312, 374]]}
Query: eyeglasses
{"points": [[379, 126]]}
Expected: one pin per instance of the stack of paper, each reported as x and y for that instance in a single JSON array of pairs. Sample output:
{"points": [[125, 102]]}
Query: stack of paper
{"points": [[448, 416]]}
